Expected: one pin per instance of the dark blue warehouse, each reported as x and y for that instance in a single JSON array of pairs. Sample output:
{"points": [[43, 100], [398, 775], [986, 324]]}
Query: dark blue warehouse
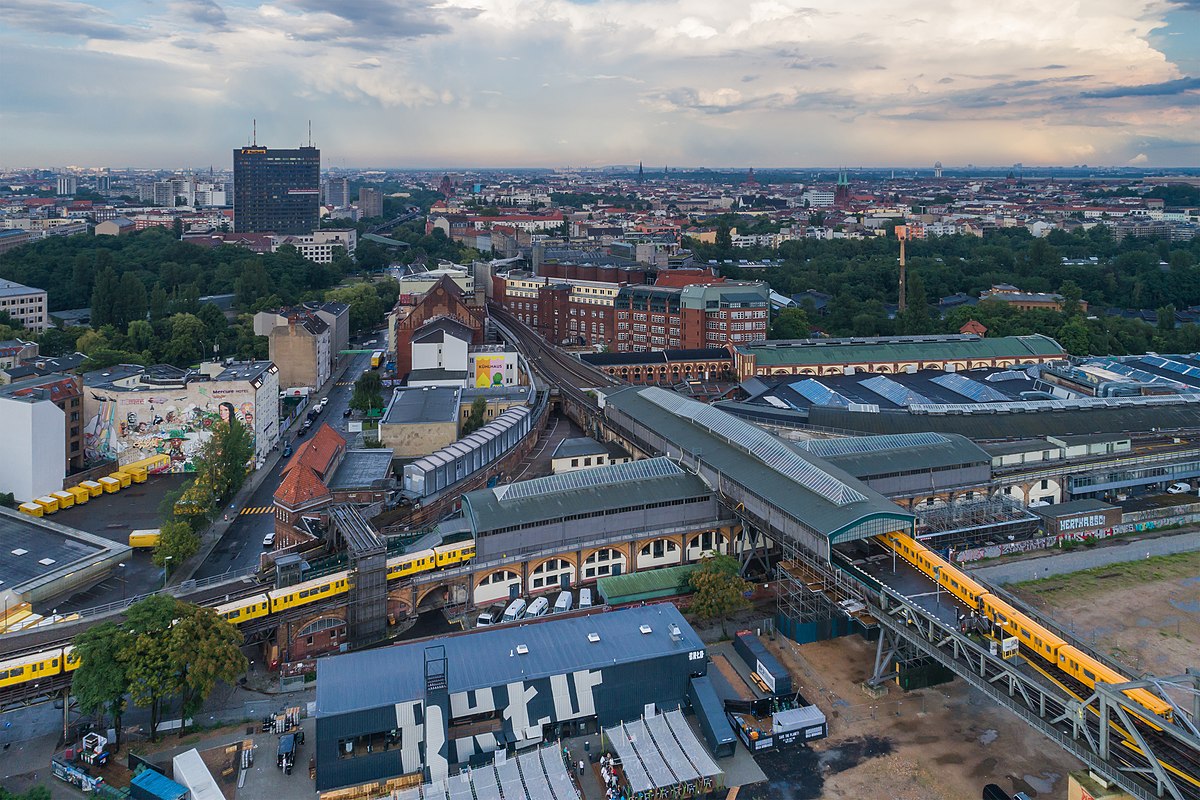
{"points": [[423, 706]]}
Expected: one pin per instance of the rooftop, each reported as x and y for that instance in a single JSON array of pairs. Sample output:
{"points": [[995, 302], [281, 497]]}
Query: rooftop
{"points": [[578, 447], [35, 552], [423, 405], [485, 658], [14, 289], [653, 480], [361, 468], [900, 348]]}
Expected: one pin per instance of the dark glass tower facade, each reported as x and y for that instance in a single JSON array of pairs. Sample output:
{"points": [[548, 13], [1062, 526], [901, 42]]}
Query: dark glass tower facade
{"points": [[276, 191]]}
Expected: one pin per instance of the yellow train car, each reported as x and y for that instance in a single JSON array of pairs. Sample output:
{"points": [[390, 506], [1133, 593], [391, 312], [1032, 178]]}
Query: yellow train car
{"points": [[49, 504], [32, 509], [1088, 671], [65, 499], [34, 667], [81, 494], [124, 477], [447, 555], [308, 592], [246, 609], [110, 484], [70, 660], [411, 564], [94, 488], [1033, 636]]}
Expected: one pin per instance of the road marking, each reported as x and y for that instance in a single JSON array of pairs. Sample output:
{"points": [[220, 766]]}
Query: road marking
{"points": [[257, 510]]}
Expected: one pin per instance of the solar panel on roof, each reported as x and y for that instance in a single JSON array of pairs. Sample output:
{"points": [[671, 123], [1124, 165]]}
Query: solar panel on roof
{"points": [[972, 390], [894, 392], [629, 472], [819, 394], [758, 443]]}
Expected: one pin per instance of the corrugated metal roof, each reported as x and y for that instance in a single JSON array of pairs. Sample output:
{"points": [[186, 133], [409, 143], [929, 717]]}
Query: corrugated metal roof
{"points": [[484, 658], [817, 351], [621, 588], [918, 454]]}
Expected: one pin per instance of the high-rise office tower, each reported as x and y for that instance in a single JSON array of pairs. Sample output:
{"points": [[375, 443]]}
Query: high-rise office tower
{"points": [[337, 192], [67, 186], [370, 202], [276, 191]]}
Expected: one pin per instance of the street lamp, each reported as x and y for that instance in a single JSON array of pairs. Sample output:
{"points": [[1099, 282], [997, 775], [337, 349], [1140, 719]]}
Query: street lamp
{"points": [[937, 579], [166, 571], [895, 542], [122, 567]]}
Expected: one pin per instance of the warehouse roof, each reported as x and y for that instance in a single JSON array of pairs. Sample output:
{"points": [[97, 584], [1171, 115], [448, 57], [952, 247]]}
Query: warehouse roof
{"points": [[868, 456], [900, 348], [1073, 507], [1013, 426], [811, 490], [580, 446], [423, 405], [361, 468], [636, 483], [486, 658]]}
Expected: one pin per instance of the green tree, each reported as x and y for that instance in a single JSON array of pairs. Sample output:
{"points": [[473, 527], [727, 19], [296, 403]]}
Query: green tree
{"points": [[790, 323], [223, 460], [719, 588], [177, 542], [188, 337], [141, 336], [1166, 317], [104, 294], [252, 284], [1071, 297], [101, 682], [368, 392], [158, 304], [146, 654], [130, 302], [205, 649], [1073, 336], [724, 239], [8, 500], [474, 420], [366, 306], [34, 793]]}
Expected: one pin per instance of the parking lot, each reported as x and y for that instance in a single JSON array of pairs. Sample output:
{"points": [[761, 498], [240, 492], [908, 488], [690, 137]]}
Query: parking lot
{"points": [[113, 516]]}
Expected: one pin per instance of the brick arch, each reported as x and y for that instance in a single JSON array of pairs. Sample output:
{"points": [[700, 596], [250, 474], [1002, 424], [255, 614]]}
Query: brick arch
{"points": [[301, 630], [622, 548], [423, 593], [568, 557], [511, 569]]}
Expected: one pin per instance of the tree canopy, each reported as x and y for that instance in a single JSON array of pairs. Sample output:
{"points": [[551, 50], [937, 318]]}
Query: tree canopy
{"points": [[719, 587]]}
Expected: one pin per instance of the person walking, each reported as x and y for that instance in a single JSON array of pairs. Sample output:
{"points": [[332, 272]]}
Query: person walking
{"points": [[581, 767]]}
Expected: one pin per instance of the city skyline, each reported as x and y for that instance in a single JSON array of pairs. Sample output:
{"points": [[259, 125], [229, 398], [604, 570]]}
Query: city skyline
{"points": [[546, 83]]}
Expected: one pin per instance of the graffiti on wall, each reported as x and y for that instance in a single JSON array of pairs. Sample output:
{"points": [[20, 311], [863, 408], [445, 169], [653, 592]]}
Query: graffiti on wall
{"points": [[129, 428]]}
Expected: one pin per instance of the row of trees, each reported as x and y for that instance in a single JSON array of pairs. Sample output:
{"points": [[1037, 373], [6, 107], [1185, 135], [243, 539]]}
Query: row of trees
{"points": [[163, 649]]}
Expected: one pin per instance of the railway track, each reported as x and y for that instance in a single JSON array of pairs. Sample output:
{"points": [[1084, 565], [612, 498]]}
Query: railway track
{"points": [[566, 372]]}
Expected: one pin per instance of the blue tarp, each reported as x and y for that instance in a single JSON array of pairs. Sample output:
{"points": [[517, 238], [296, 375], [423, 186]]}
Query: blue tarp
{"points": [[151, 785]]}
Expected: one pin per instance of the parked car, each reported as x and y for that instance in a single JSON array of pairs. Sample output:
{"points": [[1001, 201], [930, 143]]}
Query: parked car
{"points": [[538, 608], [287, 450], [269, 539], [347, 412], [1179, 488], [490, 616]]}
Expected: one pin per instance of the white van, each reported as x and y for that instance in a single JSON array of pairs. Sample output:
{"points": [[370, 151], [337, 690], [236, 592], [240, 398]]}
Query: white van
{"points": [[585, 597], [538, 608], [515, 610], [563, 602], [1179, 488], [490, 616]]}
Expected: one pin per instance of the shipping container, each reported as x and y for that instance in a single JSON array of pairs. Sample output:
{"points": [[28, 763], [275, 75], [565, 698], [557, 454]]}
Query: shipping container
{"points": [[710, 713], [94, 488], [65, 499], [81, 494], [773, 674], [32, 509], [111, 485]]}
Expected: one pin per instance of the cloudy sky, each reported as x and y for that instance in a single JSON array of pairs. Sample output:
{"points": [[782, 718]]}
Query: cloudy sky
{"points": [[176, 83]]}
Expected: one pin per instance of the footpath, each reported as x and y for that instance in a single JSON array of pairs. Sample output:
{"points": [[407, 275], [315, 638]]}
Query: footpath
{"points": [[1117, 550]]}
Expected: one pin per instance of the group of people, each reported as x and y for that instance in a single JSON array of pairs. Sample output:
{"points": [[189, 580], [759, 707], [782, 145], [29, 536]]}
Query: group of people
{"points": [[608, 774]]}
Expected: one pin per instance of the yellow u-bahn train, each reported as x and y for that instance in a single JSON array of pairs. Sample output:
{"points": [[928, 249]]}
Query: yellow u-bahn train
{"points": [[1033, 637], [59, 659]]}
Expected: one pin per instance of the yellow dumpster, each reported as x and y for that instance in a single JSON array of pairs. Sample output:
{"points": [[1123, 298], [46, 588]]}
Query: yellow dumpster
{"points": [[123, 477], [94, 489], [137, 473], [65, 499], [81, 494], [111, 485], [32, 509], [49, 504]]}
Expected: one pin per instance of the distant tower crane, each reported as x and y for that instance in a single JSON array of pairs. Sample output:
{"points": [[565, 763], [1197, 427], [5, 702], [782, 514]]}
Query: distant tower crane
{"points": [[902, 235]]}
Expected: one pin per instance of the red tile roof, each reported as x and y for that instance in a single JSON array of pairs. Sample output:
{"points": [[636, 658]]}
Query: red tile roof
{"points": [[300, 486], [320, 453]]}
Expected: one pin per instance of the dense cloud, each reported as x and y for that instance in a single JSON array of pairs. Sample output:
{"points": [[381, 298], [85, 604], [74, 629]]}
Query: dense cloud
{"points": [[551, 82]]}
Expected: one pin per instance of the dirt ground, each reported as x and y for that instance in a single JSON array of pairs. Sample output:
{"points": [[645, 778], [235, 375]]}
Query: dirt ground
{"points": [[942, 743], [1156, 627]]}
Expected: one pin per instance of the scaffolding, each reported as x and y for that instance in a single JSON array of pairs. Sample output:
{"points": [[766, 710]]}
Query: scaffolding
{"points": [[976, 522], [815, 600]]}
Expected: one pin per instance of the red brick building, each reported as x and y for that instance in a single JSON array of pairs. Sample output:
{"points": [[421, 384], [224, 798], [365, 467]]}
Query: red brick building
{"points": [[691, 318], [303, 491], [444, 299]]}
